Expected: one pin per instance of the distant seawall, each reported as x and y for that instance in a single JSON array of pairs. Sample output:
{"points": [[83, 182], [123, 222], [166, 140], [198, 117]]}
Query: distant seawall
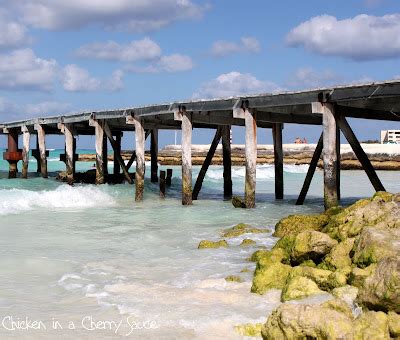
{"points": [[382, 156]]}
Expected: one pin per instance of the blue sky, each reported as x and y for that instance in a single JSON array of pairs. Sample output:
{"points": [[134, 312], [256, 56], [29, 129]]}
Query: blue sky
{"points": [[58, 57]]}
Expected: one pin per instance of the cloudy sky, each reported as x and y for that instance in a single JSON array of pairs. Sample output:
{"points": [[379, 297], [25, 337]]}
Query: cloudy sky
{"points": [[61, 56]]}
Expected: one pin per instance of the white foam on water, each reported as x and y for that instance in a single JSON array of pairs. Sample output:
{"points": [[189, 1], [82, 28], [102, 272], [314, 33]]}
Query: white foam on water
{"points": [[13, 201]]}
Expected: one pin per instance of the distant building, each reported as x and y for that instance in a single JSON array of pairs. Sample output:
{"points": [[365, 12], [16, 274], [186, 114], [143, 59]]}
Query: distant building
{"points": [[390, 136]]}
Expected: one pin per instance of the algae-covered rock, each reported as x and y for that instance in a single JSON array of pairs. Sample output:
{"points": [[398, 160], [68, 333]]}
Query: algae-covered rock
{"points": [[271, 276], [286, 243], [247, 242], [241, 229], [374, 244], [359, 275], [298, 321], [381, 290], [308, 263], [346, 293], [234, 278], [299, 287], [249, 329], [238, 202], [295, 224], [394, 324], [245, 270], [371, 325], [319, 276], [266, 257], [339, 255], [311, 245], [212, 244], [383, 195]]}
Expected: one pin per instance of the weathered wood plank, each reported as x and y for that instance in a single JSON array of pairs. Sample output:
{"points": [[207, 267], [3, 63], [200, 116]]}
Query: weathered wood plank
{"points": [[227, 160], [278, 159]]}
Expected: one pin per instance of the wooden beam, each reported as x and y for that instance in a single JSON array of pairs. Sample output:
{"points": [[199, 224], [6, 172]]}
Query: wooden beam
{"points": [[278, 159], [329, 156], [117, 153], [359, 152], [206, 164], [42, 149], [186, 157], [69, 152], [227, 160], [117, 166], [366, 113], [154, 155], [140, 160], [25, 151], [311, 170], [251, 158]]}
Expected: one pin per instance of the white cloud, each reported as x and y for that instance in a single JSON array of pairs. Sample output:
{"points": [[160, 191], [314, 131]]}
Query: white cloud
{"points": [[234, 84], [363, 37], [306, 77], [170, 63], [77, 79], [246, 45], [13, 34], [23, 70], [131, 15], [144, 49]]}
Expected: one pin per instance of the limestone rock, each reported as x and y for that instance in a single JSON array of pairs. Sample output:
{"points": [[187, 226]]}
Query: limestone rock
{"points": [[381, 290], [212, 244], [346, 293], [267, 257], [295, 224], [272, 276], [241, 229], [249, 329], [371, 325], [339, 255], [359, 275], [299, 287], [296, 321], [394, 324], [247, 242], [238, 202]]}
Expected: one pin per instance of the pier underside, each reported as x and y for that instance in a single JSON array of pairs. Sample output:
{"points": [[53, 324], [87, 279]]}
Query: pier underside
{"points": [[328, 108]]}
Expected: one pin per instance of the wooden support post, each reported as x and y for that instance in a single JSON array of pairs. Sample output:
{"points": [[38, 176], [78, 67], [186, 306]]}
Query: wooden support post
{"points": [[26, 139], [12, 154], [42, 149], [117, 153], [251, 158], [329, 156], [99, 135], [168, 180], [69, 152], [36, 153], [133, 157], [206, 164], [311, 170], [105, 156], [278, 159], [117, 150], [162, 184], [227, 160], [338, 160], [154, 155], [140, 160], [186, 158], [359, 152]]}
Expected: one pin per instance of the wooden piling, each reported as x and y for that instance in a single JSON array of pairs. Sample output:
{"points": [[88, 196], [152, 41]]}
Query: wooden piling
{"points": [[186, 158], [36, 154], [69, 152], [206, 164], [154, 155], [278, 159], [140, 160], [25, 151], [105, 155], [168, 180], [329, 156], [162, 184], [117, 150], [227, 160], [99, 135], [12, 153], [41, 134], [251, 158]]}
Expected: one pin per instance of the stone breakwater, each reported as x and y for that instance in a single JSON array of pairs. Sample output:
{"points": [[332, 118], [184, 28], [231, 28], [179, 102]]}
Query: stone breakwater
{"points": [[383, 157], [338, 273]]}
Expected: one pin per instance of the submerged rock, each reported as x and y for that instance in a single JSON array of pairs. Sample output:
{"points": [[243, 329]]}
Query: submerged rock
{"points": [[295, 224], [241, 229], [299, 287], [212, 244], [247, 242], [234, 278], [238, 202], [249, 329]]}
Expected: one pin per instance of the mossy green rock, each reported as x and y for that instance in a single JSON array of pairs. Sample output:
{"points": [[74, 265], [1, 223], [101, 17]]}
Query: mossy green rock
{"points": [[249, 329], [271, 276], [359, 275], [339, 256], [394, 324], [371, 325], [346, 293], [381, 290], [295, 224], [267, 257], [247, 242], [319, 276], [241, 229], [204, 244], [234, 278], [286, 243], [299, 287], [311, 245], [331, 320]]}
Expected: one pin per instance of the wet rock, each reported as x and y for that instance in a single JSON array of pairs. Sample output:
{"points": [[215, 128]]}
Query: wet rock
{"points": [[271, 276], [212, 244], [325, 279], [241, 229], [394, 324], [234, 278], [371, 325], [247, 242], [339, 256], [311, 245], [267, 257], [331, 320], [238, 202], [249, 329], [295, 224], [299, 287], [381, 290]]}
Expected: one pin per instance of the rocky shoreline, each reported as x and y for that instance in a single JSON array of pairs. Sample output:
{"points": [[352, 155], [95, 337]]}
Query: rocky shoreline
{"points": [[348, 257], [383, 157]]}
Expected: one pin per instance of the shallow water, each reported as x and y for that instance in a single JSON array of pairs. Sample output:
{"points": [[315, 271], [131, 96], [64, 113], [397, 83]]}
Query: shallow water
{"points": [[75, 254]]}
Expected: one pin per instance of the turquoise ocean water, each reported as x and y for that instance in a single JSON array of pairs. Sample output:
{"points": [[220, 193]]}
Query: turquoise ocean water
{"points": [[90, 258]]}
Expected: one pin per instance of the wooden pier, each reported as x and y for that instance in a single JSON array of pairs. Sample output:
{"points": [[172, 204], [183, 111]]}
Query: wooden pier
{"points": [[328, 108]]}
